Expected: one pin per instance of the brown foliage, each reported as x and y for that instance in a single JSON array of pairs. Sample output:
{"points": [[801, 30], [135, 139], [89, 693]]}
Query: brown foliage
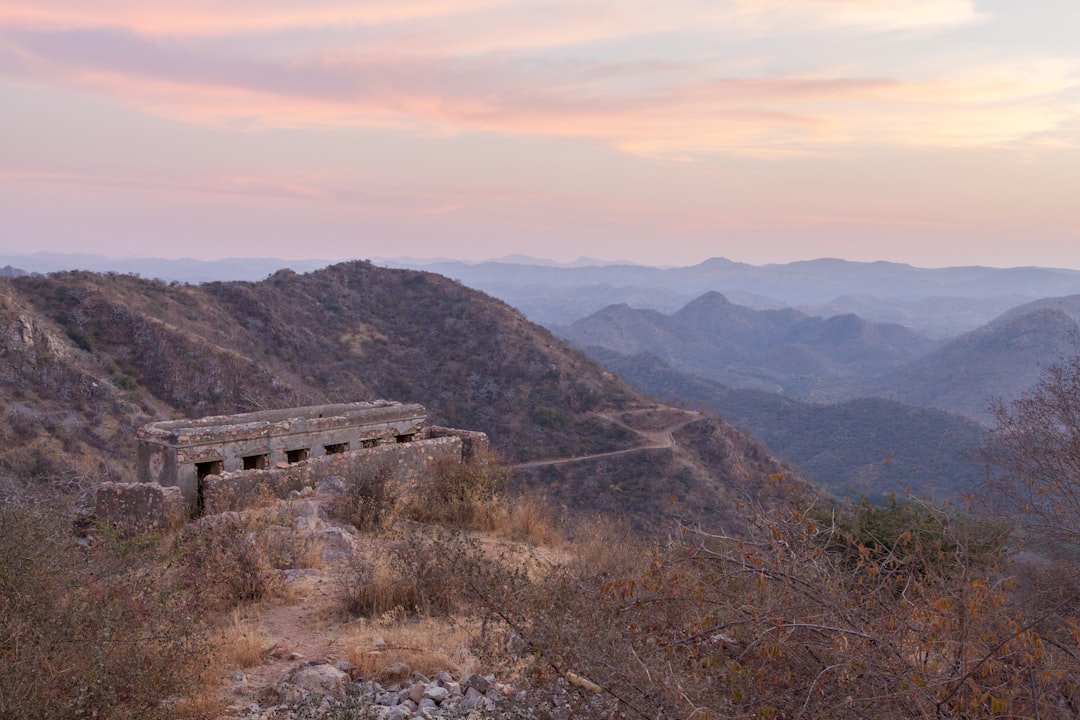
{"points": [[796, 618], [103, 631]]}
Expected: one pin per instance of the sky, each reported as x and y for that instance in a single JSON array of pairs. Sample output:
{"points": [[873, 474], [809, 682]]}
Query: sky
{"points": [[932, 132]]}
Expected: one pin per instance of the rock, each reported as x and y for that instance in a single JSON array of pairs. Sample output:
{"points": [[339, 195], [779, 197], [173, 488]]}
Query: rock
{"points": [[290, 693], [479, 682], [416, 693], [379, 642], [307, 508], [398, 712], [322, 679], [308, 526], [331, 486], [473, 699], [336, 544], [436, 693], [395, 672]]}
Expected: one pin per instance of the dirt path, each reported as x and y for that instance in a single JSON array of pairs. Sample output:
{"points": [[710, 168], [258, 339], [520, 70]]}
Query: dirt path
{"points": [[657, 439]]}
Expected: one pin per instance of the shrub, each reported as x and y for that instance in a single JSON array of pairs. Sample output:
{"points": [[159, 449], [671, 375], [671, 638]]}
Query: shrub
{"points": [[461, 494], [411, 575], [368, 499], [102, 631], [235, 557], [779, 622]]}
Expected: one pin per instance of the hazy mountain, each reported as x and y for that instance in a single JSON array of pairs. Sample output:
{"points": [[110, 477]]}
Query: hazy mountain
{"points": [[868, 446], [183, 270], [937, 303], [86, 358], [552, 307], [776, 350], [811, 282], [1070, 305], [9, 271], [939, 318], [1002, 359]]}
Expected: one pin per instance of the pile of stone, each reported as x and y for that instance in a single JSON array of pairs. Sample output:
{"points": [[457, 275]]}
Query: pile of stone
{"points": [[318, 689]]}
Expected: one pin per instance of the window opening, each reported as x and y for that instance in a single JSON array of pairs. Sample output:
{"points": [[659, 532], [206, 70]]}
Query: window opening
{"points": [[336, 448], [256, 462], [295, 456]]}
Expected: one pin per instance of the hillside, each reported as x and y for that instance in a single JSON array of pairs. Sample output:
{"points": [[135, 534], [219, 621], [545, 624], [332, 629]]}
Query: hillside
{"points": [[999, 360], [867, 446], [1070, 305], [87, 358]]}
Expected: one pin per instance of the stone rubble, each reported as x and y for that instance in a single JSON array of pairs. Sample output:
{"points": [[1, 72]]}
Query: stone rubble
{"points": [[316, 689]]}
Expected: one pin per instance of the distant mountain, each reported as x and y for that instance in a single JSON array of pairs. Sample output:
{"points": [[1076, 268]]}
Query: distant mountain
{"points": [[868, 446], [552, 307], [775, 350], [939, 318], [184, 270], [811, 282], [937, 303], [1000, 360], [1070, 305], [9, 271]]}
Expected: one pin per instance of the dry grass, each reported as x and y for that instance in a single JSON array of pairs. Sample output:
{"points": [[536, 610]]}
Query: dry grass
{"points": [[426, 645], [526, 519], [242, 643]]}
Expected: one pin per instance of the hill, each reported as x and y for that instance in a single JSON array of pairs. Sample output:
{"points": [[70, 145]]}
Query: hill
{"points": [[1000, 360], [87, 358], [777, 350], [868, 446], [1070, 305]]}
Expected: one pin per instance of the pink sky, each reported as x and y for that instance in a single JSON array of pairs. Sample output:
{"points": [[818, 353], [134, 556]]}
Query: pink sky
{"points": [[935, 132]]}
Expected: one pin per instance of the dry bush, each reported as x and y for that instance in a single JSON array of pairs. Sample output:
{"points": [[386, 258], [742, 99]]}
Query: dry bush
{"points": [[465, 495], [794, 618], [409, 576], [526, 519], [103, 631], [369, 498], [236, 557]]}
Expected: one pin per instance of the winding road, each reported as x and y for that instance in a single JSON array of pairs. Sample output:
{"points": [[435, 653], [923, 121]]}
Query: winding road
{"points": [[658, 439]]}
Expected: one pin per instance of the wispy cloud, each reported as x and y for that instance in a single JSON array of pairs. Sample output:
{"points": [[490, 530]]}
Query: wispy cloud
{"points": [[441, 66]]}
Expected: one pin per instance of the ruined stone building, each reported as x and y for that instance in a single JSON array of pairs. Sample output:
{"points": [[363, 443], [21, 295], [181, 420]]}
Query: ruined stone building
{"points": [[218, 463]]}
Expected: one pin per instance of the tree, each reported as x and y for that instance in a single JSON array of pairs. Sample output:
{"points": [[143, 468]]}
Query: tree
{"points": [[1035, 445]]}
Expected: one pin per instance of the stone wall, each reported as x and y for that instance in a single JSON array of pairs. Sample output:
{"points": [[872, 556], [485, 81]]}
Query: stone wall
{"points": [[139, 507], [473, 443], [236, 490]]}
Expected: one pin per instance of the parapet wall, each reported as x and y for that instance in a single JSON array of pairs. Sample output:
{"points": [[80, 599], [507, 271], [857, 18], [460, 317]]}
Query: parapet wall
{"points": [[473, 443], [409, 461]]}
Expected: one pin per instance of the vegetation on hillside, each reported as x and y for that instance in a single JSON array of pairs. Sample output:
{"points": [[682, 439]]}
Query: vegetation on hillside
{"points": [[866, 447]]}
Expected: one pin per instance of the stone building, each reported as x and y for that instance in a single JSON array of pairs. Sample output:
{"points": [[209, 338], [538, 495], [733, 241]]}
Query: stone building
{"points": [[188, 468], [183, 453]]}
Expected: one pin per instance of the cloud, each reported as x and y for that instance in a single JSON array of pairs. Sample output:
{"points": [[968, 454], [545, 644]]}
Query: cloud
{"points": [[442, 66]]}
